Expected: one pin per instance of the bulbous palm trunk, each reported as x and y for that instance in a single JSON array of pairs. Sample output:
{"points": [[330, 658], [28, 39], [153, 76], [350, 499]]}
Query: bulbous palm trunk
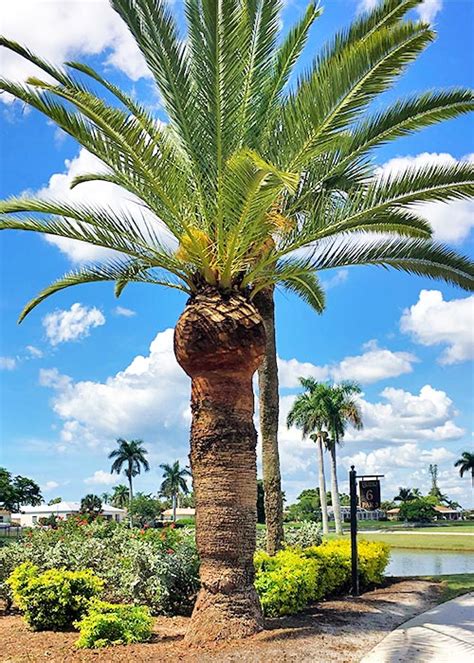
{"points": [[269, 413], [336, 505], [322, 484], [220, 342]]}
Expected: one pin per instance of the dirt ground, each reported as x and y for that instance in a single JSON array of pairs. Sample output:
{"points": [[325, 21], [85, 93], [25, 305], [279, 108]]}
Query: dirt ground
{"points": [[341, 630]]}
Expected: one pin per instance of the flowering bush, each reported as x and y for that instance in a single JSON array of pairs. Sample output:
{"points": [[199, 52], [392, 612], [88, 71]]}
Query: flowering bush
{"points": [[112, 624], [294, 577], [54, 599], [158, 568]]}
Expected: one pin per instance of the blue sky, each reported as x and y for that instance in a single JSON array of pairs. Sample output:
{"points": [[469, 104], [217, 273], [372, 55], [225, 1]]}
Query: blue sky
{"points": [[80, 372]]}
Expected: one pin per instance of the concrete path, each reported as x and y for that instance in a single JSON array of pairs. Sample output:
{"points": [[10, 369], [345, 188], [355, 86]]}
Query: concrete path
{"points": [[444, 634]]}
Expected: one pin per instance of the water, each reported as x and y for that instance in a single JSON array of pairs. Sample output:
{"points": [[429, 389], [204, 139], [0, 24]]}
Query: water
{"points": [[429, 562]]}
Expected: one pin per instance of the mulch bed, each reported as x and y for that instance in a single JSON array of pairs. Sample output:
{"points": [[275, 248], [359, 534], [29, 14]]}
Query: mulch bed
{"points": [[339, 630]]}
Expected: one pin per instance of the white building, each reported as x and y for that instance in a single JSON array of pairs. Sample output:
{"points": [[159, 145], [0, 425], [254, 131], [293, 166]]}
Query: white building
{"points": [[181, 512], [5, 518], [30, 515]]}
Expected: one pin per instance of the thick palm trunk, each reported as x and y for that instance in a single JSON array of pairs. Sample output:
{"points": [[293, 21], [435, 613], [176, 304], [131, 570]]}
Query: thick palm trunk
{"points": [[220, 342], [335, 490], [322, 485], [269, 413]]}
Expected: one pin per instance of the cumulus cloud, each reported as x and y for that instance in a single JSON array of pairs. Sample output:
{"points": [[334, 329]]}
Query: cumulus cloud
{"points": [[7, 363], [49, 485], [124, 312], [80, 28], [339, 277], [34, 352], [408, 455], [72, 324], [427, 11], [433, 321], [372, 365], [101, 478], [451, 222]]}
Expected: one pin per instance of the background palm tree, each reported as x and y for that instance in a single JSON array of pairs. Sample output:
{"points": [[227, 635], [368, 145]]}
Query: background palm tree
{"points": [[174, 483], [106, 497], [231, 191], [405, 495], [91, 504], [133, 455], [466, 464], [309, 413], [120, 496]]}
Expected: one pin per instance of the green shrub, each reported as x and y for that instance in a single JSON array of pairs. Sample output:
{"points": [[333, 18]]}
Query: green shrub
{"points": [[54, 599], [112, 624], [306, 535], [294, 577]]}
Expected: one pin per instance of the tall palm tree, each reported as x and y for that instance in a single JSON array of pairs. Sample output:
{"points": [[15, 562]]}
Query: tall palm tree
{"points": [[174, 483], [309, 413], [120, 496], [133, 455], [342, 410], [231, 192], [466, 464]]}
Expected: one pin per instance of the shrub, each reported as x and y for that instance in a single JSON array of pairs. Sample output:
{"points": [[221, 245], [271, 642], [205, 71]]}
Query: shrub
{"points": [[306, 535], [52, 600], [113, 624], [420, 510], [287, 582]]}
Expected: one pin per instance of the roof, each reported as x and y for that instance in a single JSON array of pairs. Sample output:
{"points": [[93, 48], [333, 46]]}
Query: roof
{"points": [[185, 511], [446, 509], [394, 511], [65, 507]]}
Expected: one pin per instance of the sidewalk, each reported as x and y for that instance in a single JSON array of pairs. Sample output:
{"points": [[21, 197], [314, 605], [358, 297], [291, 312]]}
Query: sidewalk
{"points": [[444, 634]]}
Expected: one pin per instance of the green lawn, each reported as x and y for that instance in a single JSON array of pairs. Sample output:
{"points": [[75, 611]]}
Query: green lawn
{"points": [[420, 540], [453, 585]]}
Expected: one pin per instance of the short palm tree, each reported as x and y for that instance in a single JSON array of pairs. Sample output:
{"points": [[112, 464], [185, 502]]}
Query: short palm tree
{"points": [[405, 495], [251, 184], [106, 497], [120, 496], [309, 413], [174, 483], [91, 504], [466, 464], [132, 455]]}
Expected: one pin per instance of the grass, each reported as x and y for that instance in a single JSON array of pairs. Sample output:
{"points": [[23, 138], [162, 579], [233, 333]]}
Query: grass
{"points": [[420, 541], [453, 585]]}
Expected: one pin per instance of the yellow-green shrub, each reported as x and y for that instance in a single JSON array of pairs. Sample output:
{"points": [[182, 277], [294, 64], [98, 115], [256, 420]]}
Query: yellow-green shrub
{"points": [[53, 600], [113, 624], [287, 582]]}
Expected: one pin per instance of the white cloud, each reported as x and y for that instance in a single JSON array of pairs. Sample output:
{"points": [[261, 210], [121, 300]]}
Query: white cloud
{"points": [[60, 31], [7, 363], [339, 277], [34, 352], [372, 365], [72, 324], [148, 400], [426, 11], [433, 321], [408, 455], [125, 312], [49, 485], [101, 478], [451, 222]]}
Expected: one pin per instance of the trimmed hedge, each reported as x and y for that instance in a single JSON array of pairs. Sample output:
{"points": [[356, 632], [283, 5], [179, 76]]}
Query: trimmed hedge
{"points": [[113, 624], [295, 577]]}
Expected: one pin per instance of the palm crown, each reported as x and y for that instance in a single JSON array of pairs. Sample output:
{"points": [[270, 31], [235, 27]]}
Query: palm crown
{"points": [[131, 454], [251, 166], [174, 479]]}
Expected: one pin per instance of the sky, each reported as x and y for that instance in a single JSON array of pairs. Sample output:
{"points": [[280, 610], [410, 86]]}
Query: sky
{"points": [[85, 368]]}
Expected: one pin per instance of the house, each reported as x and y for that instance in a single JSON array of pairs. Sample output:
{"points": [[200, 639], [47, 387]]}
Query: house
{"points": [[5, 519], [362, 514], [445, 513], [181, 512], [30, 515]]}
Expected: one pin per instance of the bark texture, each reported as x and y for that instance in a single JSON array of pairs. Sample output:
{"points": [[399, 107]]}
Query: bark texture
{"points": [[220, 342], [322, 484], [269, 414], [335, 490]]}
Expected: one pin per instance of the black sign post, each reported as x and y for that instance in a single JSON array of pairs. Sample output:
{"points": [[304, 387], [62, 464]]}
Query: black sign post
{"points": [[353, 496]]}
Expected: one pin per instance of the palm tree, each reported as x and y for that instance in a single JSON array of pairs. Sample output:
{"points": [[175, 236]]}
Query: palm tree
{"points": [[309, 412], [241, 179], [106, 497], [120, 496], [406, 495], [91, 504], [174, 482], [466, 464], [132, 455]]}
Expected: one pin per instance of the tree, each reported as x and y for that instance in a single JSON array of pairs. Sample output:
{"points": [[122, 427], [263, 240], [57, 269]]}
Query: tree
{"points": [[405, 495], [55, 500], [145, 509], [434, 490], [106, 497], [417, 510], [120, 496], [18, 491], [133, 455], [243, 175], [466, 464], [307, 507], [174, 482], [309, 414], [91, 505]]}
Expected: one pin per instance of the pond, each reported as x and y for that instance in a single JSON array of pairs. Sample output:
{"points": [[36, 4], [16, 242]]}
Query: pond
{"points": [[429, 562]]}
